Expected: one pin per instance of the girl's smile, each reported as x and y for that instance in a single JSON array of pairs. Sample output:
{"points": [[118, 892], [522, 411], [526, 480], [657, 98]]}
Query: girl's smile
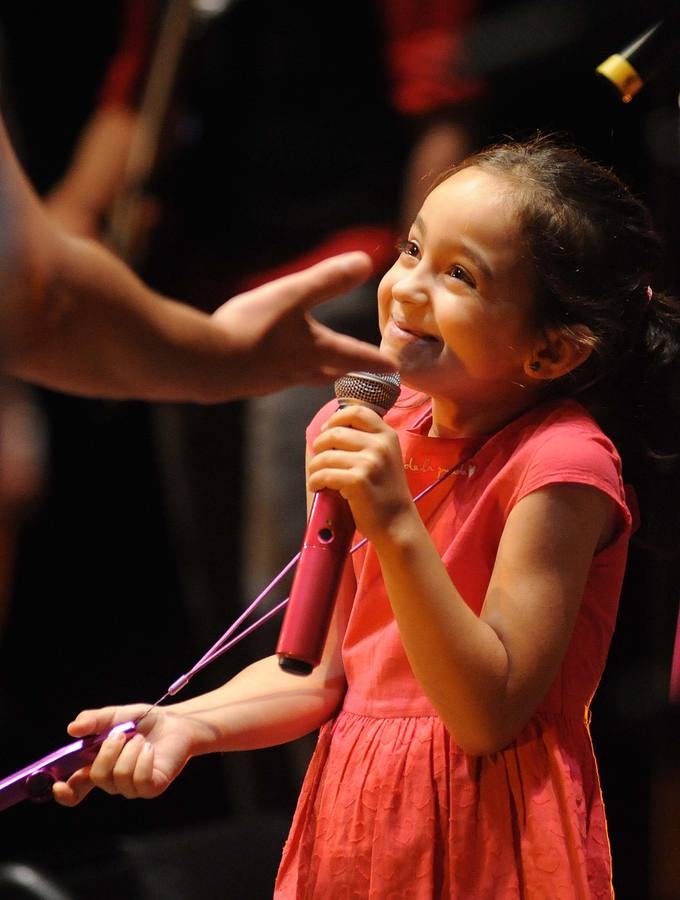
{"points": [[457, 306], [400, 330]]}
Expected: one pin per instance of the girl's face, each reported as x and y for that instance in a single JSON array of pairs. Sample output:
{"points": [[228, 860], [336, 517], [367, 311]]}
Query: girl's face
{"points": [[457, 306]]}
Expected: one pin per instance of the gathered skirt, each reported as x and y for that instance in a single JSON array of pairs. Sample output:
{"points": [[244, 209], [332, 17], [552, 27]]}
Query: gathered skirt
{"points": [[392, 809]]}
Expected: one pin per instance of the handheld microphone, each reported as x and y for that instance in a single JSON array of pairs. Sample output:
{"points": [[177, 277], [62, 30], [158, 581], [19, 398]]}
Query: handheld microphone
{"points": [[326, 542], [35, 782], [630, 69]]}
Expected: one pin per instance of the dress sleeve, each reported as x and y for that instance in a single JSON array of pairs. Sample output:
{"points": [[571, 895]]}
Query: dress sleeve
{"points": [[578, 455]]}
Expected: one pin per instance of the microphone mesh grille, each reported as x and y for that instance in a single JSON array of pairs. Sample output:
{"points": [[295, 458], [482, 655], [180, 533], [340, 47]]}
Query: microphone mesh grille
{"points": [[379, 391]]}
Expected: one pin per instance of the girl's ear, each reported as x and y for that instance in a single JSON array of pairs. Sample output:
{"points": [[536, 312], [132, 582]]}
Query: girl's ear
{"points": [[559, 352]]}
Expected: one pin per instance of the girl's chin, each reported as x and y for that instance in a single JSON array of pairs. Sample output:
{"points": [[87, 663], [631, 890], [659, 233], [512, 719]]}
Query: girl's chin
{"points": [[419, 358]]}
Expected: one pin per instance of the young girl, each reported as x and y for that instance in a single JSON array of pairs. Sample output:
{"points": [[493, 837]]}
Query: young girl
{"points": [[470, 632]]}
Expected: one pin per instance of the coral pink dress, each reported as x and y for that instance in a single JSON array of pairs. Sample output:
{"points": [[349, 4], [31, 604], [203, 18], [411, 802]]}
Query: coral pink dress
{"points": [[391, 807]]}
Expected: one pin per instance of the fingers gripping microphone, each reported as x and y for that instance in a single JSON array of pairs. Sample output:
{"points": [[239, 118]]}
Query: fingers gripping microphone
{"points": [[326, 542]]}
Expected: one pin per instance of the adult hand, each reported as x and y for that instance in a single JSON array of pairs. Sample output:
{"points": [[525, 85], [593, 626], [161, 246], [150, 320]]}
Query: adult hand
{"points": [[282, 344]]}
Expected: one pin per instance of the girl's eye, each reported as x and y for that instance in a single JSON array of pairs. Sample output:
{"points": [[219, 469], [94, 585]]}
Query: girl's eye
{"points": [[460, 273], [408, 247]]}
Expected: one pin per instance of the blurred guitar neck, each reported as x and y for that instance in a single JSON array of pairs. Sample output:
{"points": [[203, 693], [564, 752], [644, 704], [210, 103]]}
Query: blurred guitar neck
{"points": [[125, 234]]}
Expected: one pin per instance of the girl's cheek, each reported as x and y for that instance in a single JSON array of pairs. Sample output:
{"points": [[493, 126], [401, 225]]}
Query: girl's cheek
{"points": [[385, 284], [384, 295]]}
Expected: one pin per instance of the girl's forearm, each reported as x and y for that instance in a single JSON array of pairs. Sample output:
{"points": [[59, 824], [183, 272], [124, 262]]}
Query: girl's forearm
{"points": [[487, 674], [260, 707]]}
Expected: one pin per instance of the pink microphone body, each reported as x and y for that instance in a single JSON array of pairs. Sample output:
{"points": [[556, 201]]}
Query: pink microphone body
{"points": [[317, 577], [326, 543]]}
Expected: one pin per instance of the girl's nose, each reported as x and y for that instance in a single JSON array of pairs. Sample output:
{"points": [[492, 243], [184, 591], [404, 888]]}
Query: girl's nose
{"points": [[411, 288]]}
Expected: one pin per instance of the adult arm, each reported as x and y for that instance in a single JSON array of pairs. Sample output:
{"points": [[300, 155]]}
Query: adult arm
{"points": [[77, 319]]}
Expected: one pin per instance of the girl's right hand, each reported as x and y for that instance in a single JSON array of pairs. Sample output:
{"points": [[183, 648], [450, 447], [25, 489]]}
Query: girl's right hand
{"points": [[141, 766]]}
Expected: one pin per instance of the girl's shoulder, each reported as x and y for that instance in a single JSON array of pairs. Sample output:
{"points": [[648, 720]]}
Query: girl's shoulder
{"points": [[564, 431], [557, 443]]}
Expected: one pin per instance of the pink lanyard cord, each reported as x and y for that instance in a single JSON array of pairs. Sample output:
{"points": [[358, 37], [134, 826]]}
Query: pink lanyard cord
{"points": [[223, 644]]}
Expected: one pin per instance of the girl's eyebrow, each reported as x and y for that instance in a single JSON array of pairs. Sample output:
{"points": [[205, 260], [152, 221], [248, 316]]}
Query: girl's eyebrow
{"points": [[478, 260]]}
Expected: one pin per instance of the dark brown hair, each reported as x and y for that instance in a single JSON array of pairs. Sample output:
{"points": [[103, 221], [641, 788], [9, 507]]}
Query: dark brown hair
{"points": [[595, 253]]}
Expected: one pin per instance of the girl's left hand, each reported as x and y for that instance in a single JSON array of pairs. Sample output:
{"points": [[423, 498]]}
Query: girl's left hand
{"points": [[358, 455]]}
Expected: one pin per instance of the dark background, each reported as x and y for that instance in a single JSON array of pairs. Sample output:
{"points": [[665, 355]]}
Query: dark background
{"points": [[100, 610]]}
